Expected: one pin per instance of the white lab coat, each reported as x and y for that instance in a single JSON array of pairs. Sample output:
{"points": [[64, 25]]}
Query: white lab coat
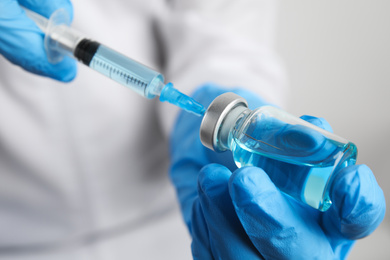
{"points": [[83, 166]]}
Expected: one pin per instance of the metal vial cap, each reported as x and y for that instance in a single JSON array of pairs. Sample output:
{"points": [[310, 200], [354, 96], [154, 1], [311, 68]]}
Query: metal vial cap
{"points": [[215, 116]]}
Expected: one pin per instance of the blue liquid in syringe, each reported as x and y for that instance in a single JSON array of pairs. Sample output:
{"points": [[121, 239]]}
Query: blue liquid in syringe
{"points": [[124, 70], [143, 80]]}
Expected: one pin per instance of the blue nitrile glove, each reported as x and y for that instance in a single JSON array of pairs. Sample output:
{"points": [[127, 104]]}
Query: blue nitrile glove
{"points": [[21, 41], [244, 216]]}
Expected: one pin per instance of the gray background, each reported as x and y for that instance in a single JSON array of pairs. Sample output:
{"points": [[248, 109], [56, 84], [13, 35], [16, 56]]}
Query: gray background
{"points": [[338, 61]]}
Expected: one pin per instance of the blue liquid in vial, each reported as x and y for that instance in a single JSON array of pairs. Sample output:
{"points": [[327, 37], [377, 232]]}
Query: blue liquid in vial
{"points": [[299, 160]]}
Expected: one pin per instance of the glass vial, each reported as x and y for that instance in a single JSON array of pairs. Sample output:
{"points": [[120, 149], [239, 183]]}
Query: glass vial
{"points": [[300, 158]]}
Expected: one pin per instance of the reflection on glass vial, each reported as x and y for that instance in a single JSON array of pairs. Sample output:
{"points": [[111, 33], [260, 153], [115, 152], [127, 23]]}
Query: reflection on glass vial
{"points": [[300, 158]]}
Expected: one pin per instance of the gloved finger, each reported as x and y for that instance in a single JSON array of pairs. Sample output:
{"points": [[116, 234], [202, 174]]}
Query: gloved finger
{"points": [[278, 137], [208, 92], [184, 175], [47, 7], [254, 101], [185, 134], [275, 227], [318, 121], [188, 155], [200, 245], [305, 144], [187, 152], [228, 239], [22, 44], [358, 204], [305, 141]]}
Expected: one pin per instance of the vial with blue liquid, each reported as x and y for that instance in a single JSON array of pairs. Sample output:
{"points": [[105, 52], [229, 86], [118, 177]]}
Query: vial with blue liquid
{"points": [[300, 158]]}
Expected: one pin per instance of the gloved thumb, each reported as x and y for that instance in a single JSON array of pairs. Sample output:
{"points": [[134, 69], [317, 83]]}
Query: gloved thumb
{"points": [[226, 235], [359, 203], [274, 225]]}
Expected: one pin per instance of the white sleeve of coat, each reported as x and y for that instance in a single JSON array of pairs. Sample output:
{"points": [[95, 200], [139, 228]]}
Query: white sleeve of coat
{"points": [[227, 42]]}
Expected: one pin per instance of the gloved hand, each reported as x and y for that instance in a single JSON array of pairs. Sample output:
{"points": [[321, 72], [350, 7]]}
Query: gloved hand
{"points": [[242, 215], [21, 41]]}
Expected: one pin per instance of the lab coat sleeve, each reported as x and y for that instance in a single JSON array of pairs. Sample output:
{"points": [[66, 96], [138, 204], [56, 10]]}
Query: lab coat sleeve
{"points": [[230, 43]]}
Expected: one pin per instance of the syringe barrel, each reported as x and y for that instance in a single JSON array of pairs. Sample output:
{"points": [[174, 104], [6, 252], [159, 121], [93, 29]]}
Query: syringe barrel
{"points": [[118, 67]]}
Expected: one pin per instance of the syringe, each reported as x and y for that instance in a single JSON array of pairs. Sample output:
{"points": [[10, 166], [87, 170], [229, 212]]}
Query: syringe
{"points": [[61, 39]]}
